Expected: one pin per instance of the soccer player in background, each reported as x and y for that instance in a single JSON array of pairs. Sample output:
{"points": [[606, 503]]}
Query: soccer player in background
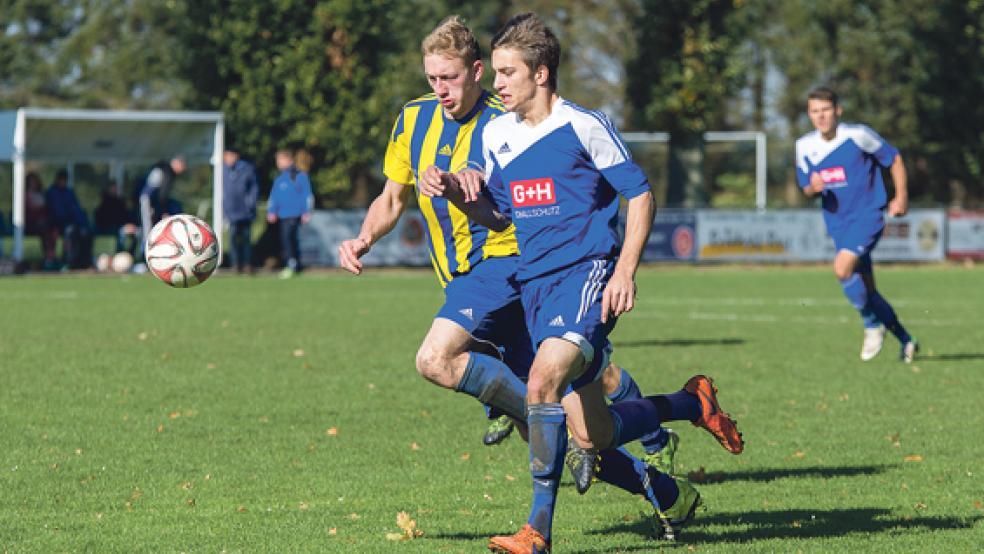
{"points": [[557, 170], [842, 163], [476, 267]]}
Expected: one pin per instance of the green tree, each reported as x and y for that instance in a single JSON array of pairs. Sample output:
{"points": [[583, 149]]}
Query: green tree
{"points": [[680, 79]]}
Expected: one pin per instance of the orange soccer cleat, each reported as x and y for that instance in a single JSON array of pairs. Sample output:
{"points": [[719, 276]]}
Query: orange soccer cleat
{"points": [[527, 541], [713, 418]]}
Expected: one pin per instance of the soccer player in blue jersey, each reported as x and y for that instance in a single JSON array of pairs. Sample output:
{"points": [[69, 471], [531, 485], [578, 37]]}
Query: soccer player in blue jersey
{"points": [[842, 163], [476, 267], [557, 171]]}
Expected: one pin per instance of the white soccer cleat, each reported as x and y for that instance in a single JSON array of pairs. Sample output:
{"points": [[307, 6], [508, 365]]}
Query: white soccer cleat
{"points": [[874, 337]]}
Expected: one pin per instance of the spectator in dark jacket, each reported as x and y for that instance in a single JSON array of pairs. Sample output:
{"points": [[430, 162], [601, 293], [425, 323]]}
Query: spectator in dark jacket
{"points": [[67, 217], [239, 192]]}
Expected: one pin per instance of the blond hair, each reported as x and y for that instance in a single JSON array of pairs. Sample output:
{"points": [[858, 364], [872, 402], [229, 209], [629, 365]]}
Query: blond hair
{"points": [[534, 41], [452, 38]]}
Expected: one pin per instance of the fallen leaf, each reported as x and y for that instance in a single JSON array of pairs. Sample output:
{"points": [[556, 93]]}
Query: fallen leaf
{"points": [[797, 524], [414, 446], [466, 456], [174, 415], [190, 502], [187, 485], [408, 526], [920, 506], [142, 335], [332, 531], [394, 536], [487, 497], [354, 516], [913, 458], [844, 397], [298, 353], [210, 365], [371, 386], [332, 432], [78, 451], [979, 505], [264, 419], [302, 506], [160, 428], [241, 509], [799, 454], [510, 477], [225, 323]]}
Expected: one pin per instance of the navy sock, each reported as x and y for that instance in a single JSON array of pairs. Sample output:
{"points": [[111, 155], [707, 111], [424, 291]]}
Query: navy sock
{"points": [[629, 390], [619, 468], [868, 317], [548, 444], [680, 405], [886, 314], [632, 419], [493, 383]]}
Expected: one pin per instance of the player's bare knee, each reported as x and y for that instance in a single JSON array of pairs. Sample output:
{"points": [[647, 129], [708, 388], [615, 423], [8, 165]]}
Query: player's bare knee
{"points": [[842, 272], [433, 365]]}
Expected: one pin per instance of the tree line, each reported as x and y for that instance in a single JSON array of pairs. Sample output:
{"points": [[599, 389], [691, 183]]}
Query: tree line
{"points": [[330, 75]]}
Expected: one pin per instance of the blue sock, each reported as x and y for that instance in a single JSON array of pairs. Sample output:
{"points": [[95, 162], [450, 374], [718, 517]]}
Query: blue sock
{"points": [[493, 383], [855, 291], [868, 317], [887, 315], [628, 390], [548, 444], [619, 468]]}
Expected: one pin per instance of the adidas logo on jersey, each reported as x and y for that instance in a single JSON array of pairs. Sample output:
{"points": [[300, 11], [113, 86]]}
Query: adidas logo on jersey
{"points": [[557, 322], [467, 312], [504, 149], [445, 150]]}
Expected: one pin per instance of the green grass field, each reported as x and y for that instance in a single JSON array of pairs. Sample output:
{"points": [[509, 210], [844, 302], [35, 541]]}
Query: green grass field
{"points": [[258, 415]]}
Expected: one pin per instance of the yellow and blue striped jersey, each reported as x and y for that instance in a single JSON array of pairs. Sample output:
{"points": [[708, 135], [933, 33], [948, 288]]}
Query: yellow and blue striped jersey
{"points": [[423, 136]]}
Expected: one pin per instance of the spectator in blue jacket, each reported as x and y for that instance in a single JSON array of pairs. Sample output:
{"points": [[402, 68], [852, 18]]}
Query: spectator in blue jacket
{"points": [[67, 218], [290, 204], [239, 190]]}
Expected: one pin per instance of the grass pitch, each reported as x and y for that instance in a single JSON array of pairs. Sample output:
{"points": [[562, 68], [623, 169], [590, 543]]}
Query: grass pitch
{"points": [[257, 415]]}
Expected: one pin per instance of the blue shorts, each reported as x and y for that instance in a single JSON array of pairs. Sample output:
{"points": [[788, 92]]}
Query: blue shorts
{"points": [[860, 240], [567, 305], [485, 302]]}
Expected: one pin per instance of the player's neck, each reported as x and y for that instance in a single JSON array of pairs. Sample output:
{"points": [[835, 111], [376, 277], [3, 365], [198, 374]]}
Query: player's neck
{"points": [[831, 134], [539, 109]]}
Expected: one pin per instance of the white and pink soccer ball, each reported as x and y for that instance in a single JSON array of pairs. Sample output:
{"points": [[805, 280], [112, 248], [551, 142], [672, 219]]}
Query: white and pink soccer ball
{"points": [[182, 251]]}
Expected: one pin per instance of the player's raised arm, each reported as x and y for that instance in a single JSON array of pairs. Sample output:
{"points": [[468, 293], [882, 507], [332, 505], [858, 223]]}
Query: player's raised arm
{"points": [[381, 218]]}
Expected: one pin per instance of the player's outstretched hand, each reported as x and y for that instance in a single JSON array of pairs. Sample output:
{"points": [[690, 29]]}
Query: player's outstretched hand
{"points": [[470, 181], [619, 296], [349, 253]]}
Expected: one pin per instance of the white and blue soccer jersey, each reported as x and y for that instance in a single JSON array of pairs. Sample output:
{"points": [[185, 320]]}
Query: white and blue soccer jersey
{"points": [[559, 183], [854, 193]]}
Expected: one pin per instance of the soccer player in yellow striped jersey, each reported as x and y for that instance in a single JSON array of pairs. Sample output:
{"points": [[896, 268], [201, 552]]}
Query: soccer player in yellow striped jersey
{"points": [[476, 267], [425, 136]]}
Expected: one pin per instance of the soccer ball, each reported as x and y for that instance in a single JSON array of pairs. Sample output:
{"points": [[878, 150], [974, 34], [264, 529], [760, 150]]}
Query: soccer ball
{"points": [[182, 250], [121, 262]]}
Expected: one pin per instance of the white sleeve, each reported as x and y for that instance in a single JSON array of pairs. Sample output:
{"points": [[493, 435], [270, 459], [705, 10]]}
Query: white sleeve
{"points": [[866, 138], [600, 139]]}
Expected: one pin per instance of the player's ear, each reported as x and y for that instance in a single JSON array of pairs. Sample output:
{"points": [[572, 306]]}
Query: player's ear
{"points": [[542, 75], [478, 68], [838, 111]]}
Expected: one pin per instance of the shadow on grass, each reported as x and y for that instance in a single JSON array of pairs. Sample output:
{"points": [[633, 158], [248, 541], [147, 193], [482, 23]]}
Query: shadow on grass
{"points": [[957, 357], [799, 524], [679, 342], [702, 477]]}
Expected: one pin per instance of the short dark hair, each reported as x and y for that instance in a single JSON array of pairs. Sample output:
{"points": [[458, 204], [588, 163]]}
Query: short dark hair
{"points": [[534, 41], [823, 93]]}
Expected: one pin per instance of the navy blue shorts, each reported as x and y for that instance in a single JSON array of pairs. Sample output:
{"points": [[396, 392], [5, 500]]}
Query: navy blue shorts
{"points": [[567, 305], [485, 302]]}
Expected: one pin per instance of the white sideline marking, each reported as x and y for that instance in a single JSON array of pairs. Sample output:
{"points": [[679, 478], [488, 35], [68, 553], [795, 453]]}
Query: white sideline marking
{"points": [[766, 318]]}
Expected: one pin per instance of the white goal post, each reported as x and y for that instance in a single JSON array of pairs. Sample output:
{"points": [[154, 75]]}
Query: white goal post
{"points": [[758, 137]]}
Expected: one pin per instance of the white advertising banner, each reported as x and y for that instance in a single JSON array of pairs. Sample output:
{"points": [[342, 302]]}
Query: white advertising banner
{"points": [[800, 235], [965, 234], [405, 245]]}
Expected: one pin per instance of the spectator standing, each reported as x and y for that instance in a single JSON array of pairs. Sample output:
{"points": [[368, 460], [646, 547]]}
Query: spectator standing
{"points": [[290, 204], [240, 188]]}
